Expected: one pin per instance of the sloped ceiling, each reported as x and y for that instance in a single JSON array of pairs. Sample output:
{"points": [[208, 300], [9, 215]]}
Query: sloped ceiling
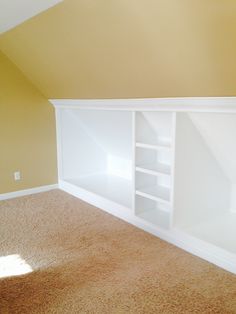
{"points": [[14, 12], [134, 48]]}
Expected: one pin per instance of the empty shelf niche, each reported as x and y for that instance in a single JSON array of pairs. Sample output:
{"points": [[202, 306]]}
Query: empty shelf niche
{"points": [[97, 151], [153, 212], [205, 178], [156, 162], [154, 128], [153, 187]]}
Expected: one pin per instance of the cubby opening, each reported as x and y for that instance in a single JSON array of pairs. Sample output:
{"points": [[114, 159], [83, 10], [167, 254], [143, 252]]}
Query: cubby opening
{"points": [[153, 167], [96, 149], [205, 177], [154, 128], [156, 188], [153, 212], [156, 162]]}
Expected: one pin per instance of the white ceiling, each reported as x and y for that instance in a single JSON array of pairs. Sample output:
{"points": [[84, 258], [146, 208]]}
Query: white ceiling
{"points": [[14, 12]]}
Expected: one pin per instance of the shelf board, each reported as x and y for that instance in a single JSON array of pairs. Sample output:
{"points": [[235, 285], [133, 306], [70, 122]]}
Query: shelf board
{"points": [[114, 188], [154, 169], [156, 147], [155, 193]]}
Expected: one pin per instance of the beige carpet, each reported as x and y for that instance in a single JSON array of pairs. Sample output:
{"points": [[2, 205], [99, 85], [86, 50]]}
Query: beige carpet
{"points": [[87, 261]]}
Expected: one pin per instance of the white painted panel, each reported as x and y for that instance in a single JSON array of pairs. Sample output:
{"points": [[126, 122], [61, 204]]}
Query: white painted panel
{"points": [[156, 160], [219, 133], [113, 188], [111, 129], [14, 12], [154, 128], [202, 190], [153, 212], [233, 199], [119, 167], [81, 154], [219, 230], [174, 104], [96, 151]]}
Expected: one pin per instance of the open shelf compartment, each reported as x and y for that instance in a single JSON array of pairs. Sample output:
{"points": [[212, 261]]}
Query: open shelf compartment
{"points": [[156, 162], [153, 212], [205, 178], [97, 152], [111, 187], [154, 129], [153, 187]]}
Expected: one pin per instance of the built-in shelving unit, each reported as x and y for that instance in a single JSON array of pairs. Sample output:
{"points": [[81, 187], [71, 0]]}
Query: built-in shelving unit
{"points": [[95, 157], [164, 165], [205, 178], [154, 132]]}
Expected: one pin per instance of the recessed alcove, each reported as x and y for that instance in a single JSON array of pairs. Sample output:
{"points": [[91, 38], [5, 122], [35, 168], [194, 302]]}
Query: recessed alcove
{"points": [[97, 152], [154, 128], [205, 177], [154, 212]]}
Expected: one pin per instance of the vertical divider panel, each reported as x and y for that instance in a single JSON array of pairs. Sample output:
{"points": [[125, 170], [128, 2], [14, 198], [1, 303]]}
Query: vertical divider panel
{"points": [[153, 177], [173, 148], [133, 160]]}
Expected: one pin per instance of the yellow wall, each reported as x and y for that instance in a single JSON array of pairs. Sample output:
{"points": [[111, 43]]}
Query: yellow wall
{"points": [[27, 132], [129, 48]]}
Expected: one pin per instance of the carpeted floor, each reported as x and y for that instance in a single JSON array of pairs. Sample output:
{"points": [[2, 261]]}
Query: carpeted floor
{"points": [[87, 261]]}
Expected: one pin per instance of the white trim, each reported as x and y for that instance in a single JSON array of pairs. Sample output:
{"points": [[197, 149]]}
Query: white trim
{"points": [[205, 250], [96, 200], [178, 104], [39, 189], [150, 146], [202, 249], [133, 161], [172, 170]]}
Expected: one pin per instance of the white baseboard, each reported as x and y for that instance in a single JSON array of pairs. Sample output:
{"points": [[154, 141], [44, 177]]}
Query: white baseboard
{"points": [[202, 249], [38, 189], [195, 246]]}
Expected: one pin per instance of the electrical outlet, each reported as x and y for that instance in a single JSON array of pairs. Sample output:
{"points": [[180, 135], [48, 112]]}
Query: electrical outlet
{"points": [[17, 175]]}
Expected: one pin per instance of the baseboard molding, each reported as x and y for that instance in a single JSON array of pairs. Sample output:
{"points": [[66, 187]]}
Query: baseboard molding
{"points": [[197, 247], [35, 190]]}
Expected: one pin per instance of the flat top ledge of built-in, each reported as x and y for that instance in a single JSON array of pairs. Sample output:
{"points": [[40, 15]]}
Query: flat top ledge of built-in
{"points": [[177, 104]]}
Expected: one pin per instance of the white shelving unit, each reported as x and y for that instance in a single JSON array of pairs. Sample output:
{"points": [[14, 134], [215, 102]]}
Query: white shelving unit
{"points": [[96, 155], [205, 178], [154, 137], [164, 165]]}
